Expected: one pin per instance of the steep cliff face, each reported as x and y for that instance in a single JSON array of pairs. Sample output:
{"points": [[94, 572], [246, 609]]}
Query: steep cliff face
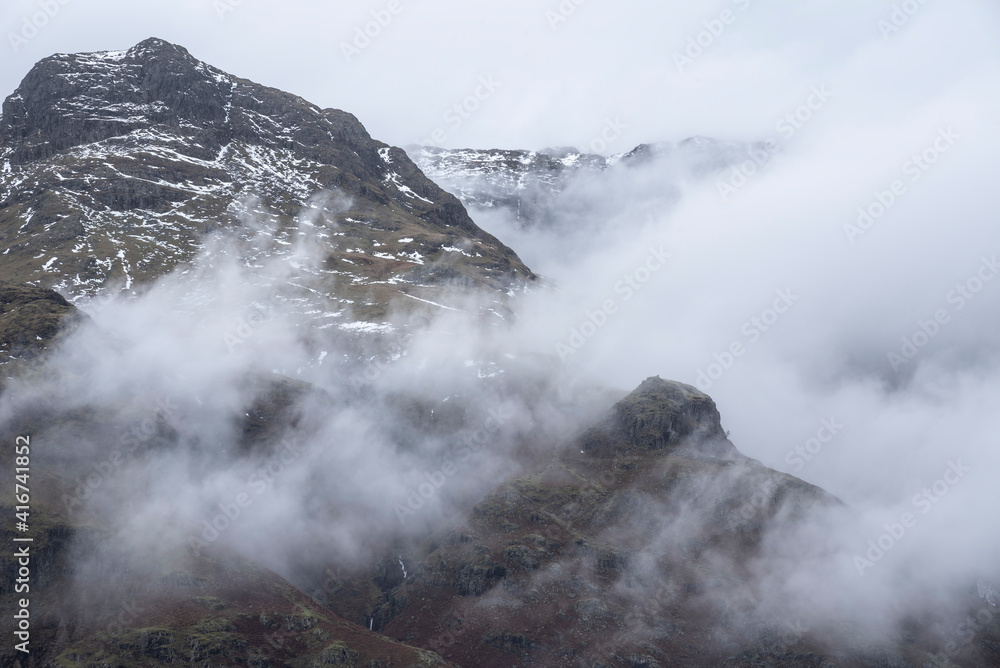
{"points": [[115, 166]]}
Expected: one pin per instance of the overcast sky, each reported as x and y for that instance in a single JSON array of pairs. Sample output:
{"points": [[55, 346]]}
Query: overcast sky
{"points": [[563, 70]]}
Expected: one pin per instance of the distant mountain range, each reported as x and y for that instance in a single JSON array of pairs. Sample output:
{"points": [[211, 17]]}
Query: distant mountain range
{"points": [[529, 184]]}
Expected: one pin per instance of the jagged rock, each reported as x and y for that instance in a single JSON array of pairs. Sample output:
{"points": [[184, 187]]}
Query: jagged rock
{"points": [[660, 414], [31, 318], [523, 557], [338, 654], [475, 579]]}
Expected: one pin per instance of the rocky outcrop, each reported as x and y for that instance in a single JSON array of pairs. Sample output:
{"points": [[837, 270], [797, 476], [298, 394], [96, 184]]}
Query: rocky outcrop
{"points": [[31, 319], [659, 414]]}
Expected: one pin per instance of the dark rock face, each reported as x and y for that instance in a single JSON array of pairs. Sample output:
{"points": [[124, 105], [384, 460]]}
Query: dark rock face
{"points": [[210, 612], [31, 318], [114, 165], [660, 414], [71, 101]]}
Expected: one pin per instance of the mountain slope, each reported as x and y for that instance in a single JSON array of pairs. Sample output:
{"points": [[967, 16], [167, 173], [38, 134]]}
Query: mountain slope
{"points": [[131, 610], [114, 166], [637, 544], [31, 319]]}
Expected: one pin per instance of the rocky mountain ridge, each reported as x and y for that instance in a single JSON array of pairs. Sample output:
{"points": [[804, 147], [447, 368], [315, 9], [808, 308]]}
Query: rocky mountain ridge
{"points": [[116, 167], [529, 185]]}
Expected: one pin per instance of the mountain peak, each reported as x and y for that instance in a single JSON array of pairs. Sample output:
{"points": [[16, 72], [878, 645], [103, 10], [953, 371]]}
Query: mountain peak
{"points": [[156, 47], [68, 100], [151, 48], [101, 145], [657, 415]]}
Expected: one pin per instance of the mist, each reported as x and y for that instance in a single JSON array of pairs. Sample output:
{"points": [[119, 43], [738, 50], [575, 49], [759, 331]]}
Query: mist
{"points": [[838, 300], [851, 271]]}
